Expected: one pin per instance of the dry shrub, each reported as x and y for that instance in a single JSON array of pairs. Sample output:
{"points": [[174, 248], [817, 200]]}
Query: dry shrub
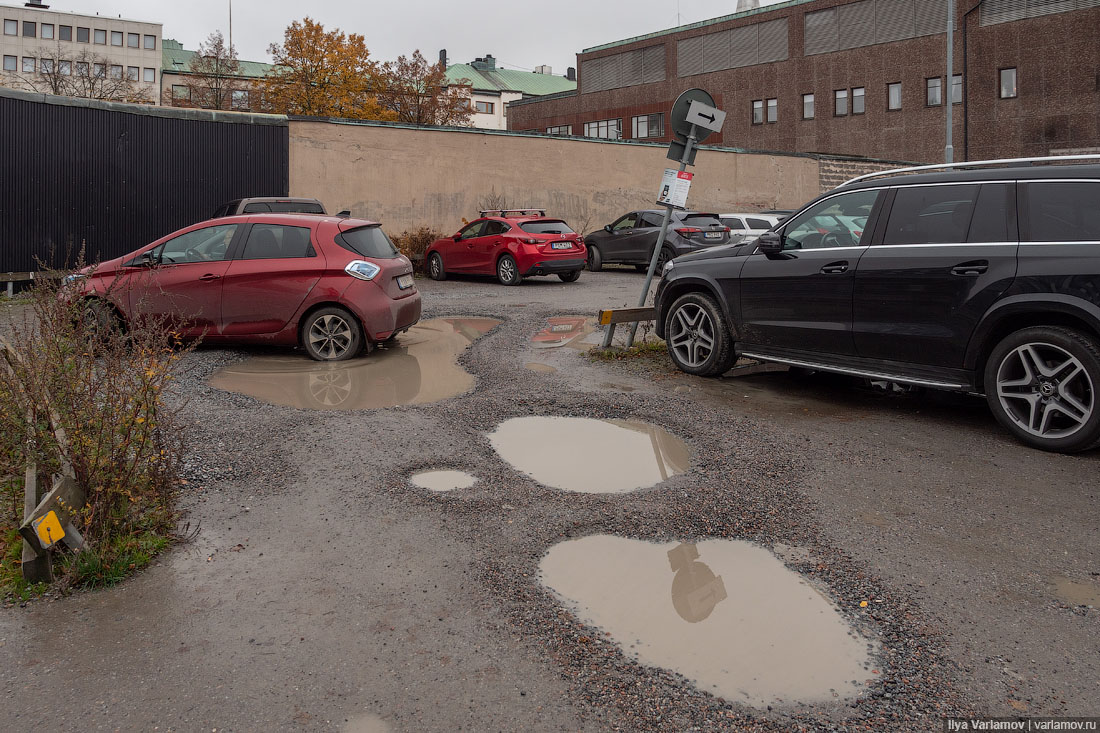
{"points": [[413, 242]]}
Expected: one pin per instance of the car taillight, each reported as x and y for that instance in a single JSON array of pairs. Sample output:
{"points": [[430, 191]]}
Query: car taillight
{"points": [[688, 231], [530, 240]]}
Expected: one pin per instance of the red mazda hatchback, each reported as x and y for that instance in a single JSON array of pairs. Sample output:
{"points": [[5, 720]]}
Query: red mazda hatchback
{"points": [[511, 244], [335, 286]]}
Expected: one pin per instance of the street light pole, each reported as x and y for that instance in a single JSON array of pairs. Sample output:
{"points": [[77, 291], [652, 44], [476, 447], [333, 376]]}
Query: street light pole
{"points": [[949, 149]]}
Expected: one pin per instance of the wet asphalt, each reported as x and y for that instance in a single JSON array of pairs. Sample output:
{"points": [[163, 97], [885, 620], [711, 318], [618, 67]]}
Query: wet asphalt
{"points": [[323, 588]]}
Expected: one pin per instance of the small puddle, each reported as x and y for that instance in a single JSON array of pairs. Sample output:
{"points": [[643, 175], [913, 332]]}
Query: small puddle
{"points": [[564, 331], [726, 614], [541, 368], [590, 456], [1076, 593], [443, 480], [420, 367], [367, 723]]}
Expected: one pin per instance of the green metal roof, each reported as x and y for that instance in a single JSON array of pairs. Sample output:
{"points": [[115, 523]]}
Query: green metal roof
{"points": [[509, 80], [177, 60]]}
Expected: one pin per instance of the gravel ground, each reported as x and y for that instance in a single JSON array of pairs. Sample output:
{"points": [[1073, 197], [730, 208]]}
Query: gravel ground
{"points": [[323, 586]]}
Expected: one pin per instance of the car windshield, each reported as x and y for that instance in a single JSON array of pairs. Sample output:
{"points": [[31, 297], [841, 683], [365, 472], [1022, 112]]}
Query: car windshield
{"points": [[368, 241], [546, 226]]}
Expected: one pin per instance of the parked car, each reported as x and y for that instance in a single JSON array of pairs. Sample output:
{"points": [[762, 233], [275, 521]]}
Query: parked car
{"points": [[749, 226], [511, 244], [630, 239], [979, 279], [269, 205], [334, 286], [781, 213]]}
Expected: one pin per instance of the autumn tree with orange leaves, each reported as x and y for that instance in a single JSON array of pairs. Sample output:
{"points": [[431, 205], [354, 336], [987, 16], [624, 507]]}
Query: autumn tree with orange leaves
{"points": [[420, 95], [324, 74]]}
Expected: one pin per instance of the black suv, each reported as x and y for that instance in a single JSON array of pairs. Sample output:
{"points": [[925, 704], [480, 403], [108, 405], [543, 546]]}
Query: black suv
{"points": [[978, 278], [630, 238]]}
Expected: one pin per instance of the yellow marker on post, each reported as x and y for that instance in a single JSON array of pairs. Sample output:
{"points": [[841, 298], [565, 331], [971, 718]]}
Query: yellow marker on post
{"points": [[48, 528]]}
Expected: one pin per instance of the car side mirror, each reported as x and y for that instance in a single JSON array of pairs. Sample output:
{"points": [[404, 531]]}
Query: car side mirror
{"points": [[607, 228], [770, 243], [457, 237], [145, 260]]}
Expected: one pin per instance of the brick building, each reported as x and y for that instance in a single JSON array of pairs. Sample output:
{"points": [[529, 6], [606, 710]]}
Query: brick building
{"points": [[853, 78]]}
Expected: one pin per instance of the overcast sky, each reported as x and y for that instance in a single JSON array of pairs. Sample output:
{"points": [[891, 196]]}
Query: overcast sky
{"points": [[521, 35]]}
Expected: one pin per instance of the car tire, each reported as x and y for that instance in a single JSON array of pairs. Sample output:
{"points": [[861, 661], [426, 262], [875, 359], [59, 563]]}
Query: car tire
{"points": [[595, 259], [100, 320], [665, 255], [697, 336], [331, 334], [508, 271], [1042, 384], [569, 277], [436, 271], [641, 268]]}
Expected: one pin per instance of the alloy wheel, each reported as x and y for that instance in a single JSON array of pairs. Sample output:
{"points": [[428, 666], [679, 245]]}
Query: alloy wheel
{"points": [[330, 336], [506, 270], [1045, 390], [691, 334]]}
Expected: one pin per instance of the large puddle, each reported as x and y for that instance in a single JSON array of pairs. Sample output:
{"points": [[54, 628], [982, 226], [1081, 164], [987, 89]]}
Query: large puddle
{"points": [[590, 456], [420, 367], [572, 331], [726, 614]]}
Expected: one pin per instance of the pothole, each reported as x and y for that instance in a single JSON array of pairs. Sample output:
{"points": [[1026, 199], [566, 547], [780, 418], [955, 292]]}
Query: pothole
{"points": [[726, 614], [443, 480], [421, 366], [367, 723], [564, 331], [539, 367], [590, 456], [1076, 593]]}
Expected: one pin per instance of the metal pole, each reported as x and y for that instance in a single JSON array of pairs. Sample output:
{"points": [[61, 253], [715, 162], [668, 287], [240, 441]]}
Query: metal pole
{"points": [[949, 149], [660, 239]]}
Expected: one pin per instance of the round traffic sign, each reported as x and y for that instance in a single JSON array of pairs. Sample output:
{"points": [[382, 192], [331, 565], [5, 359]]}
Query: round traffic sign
{"points": [[678, 117]]}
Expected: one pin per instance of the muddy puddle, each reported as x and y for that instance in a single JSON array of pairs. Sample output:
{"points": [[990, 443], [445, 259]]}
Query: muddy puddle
{"points": [[1076, 593], [726, 614], [576, 332], [443, 480], [367, 723], [590, 456], [540, 367], [420, 367]]}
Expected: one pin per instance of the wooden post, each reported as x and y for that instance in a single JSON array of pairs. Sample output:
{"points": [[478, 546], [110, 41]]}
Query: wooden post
{"points": [[37, 568]]}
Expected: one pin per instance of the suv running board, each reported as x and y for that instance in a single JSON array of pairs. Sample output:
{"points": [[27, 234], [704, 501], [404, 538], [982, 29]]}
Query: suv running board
{"points": [[856, 372]]}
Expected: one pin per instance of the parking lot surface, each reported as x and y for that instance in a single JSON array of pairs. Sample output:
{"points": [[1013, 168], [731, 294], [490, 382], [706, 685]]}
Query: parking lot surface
{"points": [[326, 590]]}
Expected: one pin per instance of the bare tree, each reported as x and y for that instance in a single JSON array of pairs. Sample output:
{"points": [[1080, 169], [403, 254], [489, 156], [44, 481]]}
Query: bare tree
{"points": [[85, 75], [418, 93], [213, 80]]}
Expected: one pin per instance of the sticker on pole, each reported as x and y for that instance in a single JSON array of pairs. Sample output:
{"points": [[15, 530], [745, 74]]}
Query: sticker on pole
{"points": [[48, 528], [674, 188]]}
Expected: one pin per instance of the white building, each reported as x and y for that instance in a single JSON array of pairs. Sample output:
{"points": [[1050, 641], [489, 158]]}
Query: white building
{"points": [[491, 89]]}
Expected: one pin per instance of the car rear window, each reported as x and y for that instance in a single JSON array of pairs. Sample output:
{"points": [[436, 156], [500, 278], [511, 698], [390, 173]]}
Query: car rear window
{"points": [[759, 223], [368, 242], [702, 220], [283, 207], [546, 226]]}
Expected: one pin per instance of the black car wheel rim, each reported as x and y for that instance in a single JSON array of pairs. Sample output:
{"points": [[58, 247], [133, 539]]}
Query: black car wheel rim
{"points": [[1045, 390], [330, 336], [691, 335]]}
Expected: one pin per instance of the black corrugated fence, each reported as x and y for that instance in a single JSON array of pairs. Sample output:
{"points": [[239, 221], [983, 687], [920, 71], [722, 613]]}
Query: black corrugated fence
{"points": [[112, 177]]}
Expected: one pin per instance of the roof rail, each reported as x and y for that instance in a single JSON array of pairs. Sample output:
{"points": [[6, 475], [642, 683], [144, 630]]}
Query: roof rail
{"points": [[973, 164], [527, 211]]}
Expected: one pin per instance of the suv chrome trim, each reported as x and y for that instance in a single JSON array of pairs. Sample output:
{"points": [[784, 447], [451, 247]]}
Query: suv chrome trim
{"points": [[972, 164], [855, 372]]}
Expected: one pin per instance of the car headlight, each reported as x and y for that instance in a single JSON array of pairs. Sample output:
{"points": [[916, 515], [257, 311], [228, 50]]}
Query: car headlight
{"points": [[70, 279], [668, 266], [362, 269]]}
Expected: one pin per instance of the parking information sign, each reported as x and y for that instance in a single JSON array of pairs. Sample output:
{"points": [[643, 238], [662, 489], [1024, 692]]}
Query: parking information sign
{"points": [[674, 188]]}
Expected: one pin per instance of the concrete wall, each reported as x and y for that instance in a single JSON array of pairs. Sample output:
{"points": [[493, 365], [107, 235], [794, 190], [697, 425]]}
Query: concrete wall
{"points": [[408, 177]]}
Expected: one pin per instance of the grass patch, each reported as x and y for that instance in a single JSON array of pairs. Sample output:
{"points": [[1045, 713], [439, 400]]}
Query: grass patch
{"points": [[12, 585], [652, 350], [113, 561]]}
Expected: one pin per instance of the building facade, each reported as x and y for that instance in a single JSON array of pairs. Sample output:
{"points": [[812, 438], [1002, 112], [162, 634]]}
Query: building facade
{"points": [[493, 89], [178, 82], [52, 51], [864, 78]]}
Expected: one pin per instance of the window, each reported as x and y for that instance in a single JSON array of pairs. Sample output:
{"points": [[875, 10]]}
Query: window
{"points": [[471, 230], [47, 31], [606, 129], [626, 222], [180, 92], [807, 106], [116, 71], [132, 73], [100, 36], [99, 70], [1064, 211], [151, 43], [990, 222], [893, 96], [758, 111], [29, 29], [648, 126], [956, 89], [542, 226], [133, 40], [150, 76], [859, 94], [46, 67], [835, 222], [758, 223], [560, 130], [65, 68], [484, 108], [734, 223], [930, 214], [368, 241], [1008, 83], [82, 34], [82, 68], [29, 65], [840, 107], [11, 63], [650, 220], [201, 245], [773, 110], [494, 228], [65, 32], [11, 28], [934, 93], [116, 38], [239, 99], [274, 241]]}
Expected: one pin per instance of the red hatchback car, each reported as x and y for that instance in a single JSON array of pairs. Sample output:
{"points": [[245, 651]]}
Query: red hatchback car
{"points": [[511, 244], [333, 285]]}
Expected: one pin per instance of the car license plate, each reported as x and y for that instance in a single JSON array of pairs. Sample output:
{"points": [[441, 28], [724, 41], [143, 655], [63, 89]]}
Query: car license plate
{"points": [[561, 245], [712, 235], [405, 282]]}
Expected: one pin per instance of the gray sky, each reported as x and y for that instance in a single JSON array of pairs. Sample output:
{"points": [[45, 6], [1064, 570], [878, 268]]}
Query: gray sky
{"points": [[520, 35]]}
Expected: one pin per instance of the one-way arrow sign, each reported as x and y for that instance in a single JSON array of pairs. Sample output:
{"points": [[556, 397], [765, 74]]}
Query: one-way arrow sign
{"points": [[705, 116]]}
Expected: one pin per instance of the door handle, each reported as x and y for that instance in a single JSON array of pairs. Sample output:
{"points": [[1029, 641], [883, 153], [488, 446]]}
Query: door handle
{"points": [[834, 268], [970, 269], [210, 276]]}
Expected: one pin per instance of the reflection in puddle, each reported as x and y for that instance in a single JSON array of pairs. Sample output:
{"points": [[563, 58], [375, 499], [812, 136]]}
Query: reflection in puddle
{"points": [[443, 480], [421, 366], [541, 368], [729, 616], [564, 331], [591, 456], [1076, 593]]}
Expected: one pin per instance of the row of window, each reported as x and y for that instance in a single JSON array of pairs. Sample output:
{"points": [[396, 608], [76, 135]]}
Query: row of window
{"points": [[46, 31], [853, 101], [239, 98], [80, 68], [641, 128]]}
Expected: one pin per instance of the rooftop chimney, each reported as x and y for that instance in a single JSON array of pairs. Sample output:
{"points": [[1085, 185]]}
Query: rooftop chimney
{"points": [[36, 4], [544, 70], [443, 57], [571, 74], [485, 64], [743, 5]]}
